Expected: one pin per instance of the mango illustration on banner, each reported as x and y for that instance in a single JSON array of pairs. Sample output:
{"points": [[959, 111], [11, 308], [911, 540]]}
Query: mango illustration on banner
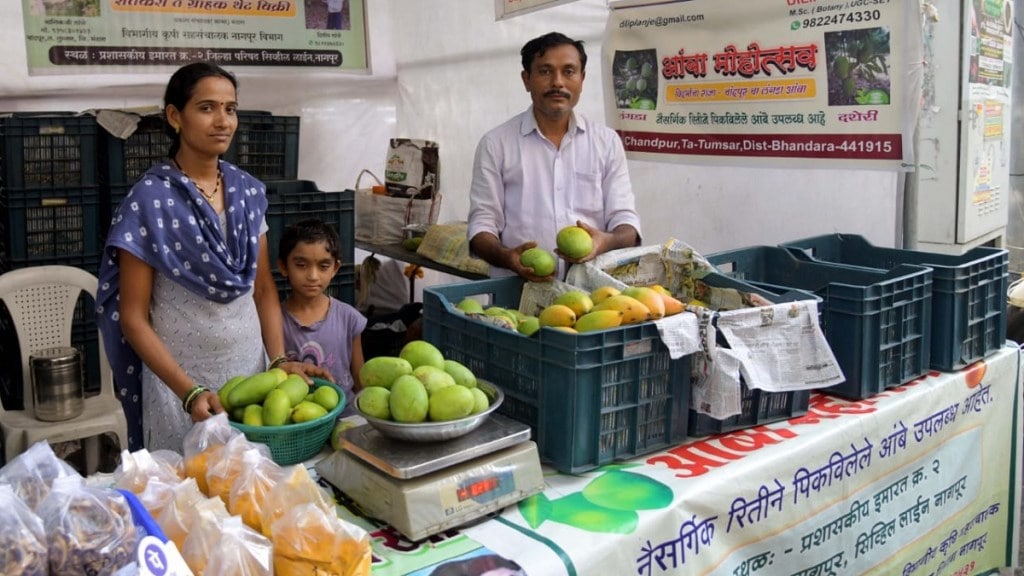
{"points": [[608, 504]]}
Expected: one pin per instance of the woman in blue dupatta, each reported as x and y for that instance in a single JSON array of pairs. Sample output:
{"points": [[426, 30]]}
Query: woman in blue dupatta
{"points": [[186, 297]]}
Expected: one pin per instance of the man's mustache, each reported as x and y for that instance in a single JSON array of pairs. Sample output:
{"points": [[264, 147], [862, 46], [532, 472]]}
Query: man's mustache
{"points": [[558, 93]]}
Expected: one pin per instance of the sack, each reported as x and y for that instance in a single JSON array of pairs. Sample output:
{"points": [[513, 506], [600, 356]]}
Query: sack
{"points": [[413, 169], [380, 218]]}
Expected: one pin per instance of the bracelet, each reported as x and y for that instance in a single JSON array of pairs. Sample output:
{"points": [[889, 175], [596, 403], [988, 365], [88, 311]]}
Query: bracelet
{"points": [[190, 398], [277, 361]]}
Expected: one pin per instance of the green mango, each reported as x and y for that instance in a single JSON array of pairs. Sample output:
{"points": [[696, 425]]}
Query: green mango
{"points": [[253, 389], [295, 387], [277, 408], [227, 388], [307, 411], [252, 415]]}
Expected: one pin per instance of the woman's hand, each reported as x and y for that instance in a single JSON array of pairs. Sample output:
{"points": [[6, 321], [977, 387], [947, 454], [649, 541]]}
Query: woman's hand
{"points": [[205, 405], [306, 370]]}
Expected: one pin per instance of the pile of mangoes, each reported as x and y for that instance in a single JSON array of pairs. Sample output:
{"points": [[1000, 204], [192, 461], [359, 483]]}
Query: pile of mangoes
{"points": [[577, 311], [275, 398], [419, 385]]}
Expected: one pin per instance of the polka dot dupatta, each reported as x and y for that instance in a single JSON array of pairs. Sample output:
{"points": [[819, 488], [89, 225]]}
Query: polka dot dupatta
{"points": [[165, 222]]}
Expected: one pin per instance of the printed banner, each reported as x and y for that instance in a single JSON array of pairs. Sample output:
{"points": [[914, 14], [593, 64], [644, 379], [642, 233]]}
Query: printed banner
{"points": [[919, 480], [511, 8], [114, 36], [826, 83]]}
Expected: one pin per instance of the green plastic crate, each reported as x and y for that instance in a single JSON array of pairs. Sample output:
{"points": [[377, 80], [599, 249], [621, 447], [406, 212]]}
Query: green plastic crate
{"points": [[968, 291], [756, 406], [590, 398], [878, 323]]}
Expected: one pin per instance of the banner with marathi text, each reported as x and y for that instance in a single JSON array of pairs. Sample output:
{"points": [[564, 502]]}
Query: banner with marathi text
{"points": [[919, 480], [113, 36], [772, 83]]}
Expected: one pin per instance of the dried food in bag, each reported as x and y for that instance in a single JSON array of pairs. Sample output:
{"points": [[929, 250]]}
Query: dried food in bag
{"points": [[89, 530], [22, 539], [257, 477], [32, 472], [309, 540], [202, 445], [207, 523]]}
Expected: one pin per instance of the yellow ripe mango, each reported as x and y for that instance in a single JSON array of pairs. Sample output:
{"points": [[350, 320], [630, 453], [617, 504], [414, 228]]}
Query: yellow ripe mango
{"points": [[578, 300], [633, 311], [599, 294], [649, 298], [598, 320], [557, 315], [672, 305]]}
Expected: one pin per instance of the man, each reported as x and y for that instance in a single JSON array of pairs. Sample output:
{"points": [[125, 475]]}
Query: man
{"points": [[549, 168]]}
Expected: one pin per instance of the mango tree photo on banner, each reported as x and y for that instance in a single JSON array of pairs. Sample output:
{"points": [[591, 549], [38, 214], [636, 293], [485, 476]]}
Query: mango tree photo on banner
{"points": [[114, 36], [828, 84]]}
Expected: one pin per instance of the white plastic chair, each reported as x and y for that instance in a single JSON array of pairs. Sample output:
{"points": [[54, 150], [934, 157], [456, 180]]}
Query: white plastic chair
{"points": [[41, 301]]}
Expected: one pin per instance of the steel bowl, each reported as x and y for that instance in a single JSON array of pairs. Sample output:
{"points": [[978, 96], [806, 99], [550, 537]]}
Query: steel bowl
{"points": [[436, 431]]}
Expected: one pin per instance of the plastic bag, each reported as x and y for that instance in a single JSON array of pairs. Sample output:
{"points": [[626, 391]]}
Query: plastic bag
{"points": [[221, 473], [138, 468], [174, 519], [205, 527], [171, 459], [258, 476], [294, 489], [202, 445], [157, 494], [31, 473], [89, 530], [22, 538], [240, 551], [309, 540]]}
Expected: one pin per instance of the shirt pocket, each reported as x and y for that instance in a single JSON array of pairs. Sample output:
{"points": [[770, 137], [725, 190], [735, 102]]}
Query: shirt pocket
{"points": [[588, 199]]}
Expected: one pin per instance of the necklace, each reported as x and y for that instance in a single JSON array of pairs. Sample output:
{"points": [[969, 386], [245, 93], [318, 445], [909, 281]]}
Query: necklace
{"points": [[196, 184]]}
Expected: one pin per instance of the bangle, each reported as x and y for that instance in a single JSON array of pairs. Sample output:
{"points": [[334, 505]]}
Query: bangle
{"points": [[190, 398], [277, 361]]}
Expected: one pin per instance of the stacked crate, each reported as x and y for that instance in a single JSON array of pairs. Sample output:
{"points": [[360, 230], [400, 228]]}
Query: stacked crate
{"points": [[49, 215]]}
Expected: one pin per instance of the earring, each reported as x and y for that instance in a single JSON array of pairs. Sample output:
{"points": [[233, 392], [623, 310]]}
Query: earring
{"points": [[177, 129]]}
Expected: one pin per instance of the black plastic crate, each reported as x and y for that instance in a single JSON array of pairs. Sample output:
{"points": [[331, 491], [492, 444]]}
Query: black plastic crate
{"points": [[968, 291], [48, 150], [266, 146], [294, 200], [125, 160], [49, 226]]}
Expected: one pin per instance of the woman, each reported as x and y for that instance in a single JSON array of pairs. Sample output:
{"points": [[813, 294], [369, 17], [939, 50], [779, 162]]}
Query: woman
{"points": [[186, 276]]}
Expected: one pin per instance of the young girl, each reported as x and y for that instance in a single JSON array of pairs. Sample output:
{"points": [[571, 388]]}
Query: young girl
{"points": [[319, 329]]}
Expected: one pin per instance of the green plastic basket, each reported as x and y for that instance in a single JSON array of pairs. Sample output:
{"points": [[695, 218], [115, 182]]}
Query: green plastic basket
{"points": [[293, 443]]}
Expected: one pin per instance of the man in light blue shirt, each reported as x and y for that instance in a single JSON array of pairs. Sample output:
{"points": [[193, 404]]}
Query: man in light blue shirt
{"points": [[548, 168]]}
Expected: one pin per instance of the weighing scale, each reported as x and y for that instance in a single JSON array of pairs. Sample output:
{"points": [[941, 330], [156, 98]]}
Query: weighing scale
{"points": [[425, 488]]}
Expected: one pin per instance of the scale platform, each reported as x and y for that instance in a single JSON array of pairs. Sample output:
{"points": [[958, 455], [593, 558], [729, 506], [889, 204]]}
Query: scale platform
{"points": [[424, 489]]}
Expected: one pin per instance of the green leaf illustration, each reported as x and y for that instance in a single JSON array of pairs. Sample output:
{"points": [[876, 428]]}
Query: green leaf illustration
{"points": [[578, 512], [535, 510], [621, 490]]}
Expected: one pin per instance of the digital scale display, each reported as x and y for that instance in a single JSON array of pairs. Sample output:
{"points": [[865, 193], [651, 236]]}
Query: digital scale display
{"points": [[485, 489]]}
